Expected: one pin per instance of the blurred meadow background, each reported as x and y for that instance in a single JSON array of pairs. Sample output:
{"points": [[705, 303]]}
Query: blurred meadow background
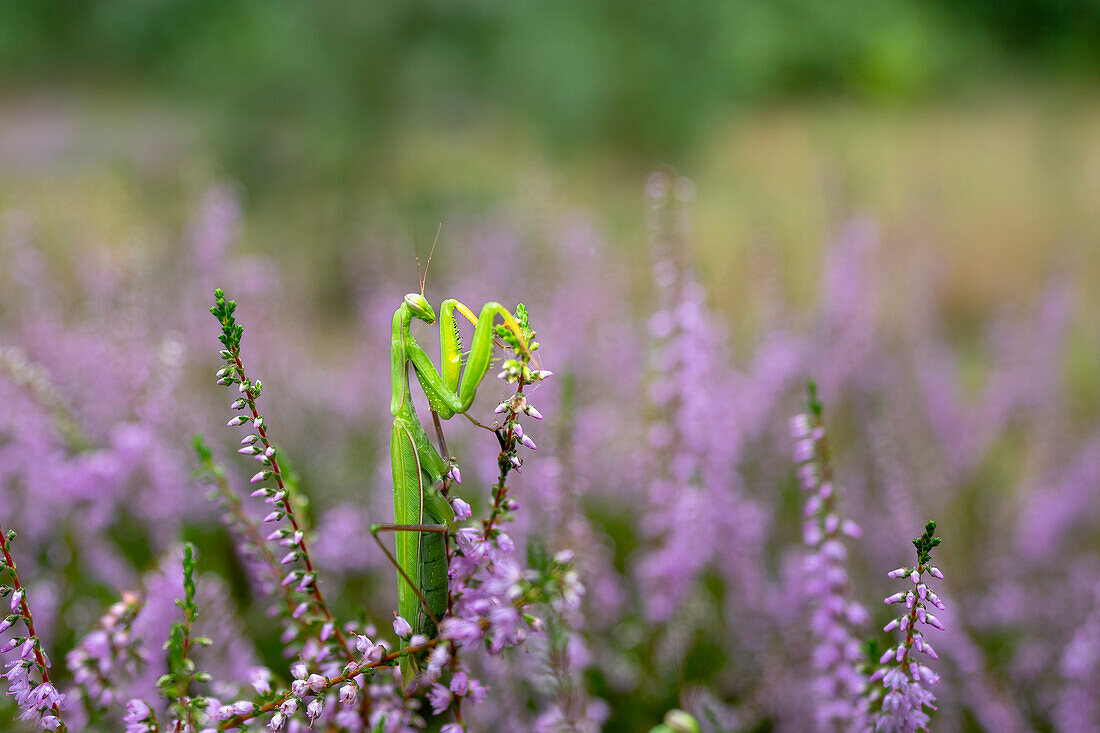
{"points": [[704, 204]]}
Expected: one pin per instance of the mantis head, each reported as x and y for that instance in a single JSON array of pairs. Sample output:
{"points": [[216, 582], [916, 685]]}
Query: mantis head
{"points": [[420, 307]]}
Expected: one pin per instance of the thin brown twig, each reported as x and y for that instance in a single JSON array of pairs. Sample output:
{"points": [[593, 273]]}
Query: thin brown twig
{"points": [[353, 670]]}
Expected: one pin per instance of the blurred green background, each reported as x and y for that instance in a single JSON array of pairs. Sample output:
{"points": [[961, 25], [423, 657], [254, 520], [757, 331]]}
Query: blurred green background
{"points": [[966, 128]]}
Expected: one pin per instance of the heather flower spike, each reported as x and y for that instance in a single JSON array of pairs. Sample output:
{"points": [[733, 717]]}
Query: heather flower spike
{"points": [[284, 515], [837, 655], [28, 674], [904, 675]]}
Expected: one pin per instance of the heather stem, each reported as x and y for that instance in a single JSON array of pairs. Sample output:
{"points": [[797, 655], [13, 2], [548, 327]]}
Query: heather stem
{"points": [[248, 526], [177, 683], [234, 373], [322, 605]]}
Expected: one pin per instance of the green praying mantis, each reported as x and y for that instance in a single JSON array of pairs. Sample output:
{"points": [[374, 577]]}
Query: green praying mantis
{"points": [[422, 514]]}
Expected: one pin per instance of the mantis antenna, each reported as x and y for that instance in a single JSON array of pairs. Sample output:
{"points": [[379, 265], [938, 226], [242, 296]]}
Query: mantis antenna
{"points": [[423, 278]]}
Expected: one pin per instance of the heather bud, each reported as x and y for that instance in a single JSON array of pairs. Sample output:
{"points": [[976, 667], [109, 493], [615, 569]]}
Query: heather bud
{"points": [[461, 508], [401, 627]]}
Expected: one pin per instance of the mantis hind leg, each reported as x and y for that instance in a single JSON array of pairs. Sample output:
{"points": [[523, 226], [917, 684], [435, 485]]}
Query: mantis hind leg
{"points": [[430, 591], [427, 590]]}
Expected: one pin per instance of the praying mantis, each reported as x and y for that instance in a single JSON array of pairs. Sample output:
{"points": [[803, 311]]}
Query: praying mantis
{"points": [[422, 514]]}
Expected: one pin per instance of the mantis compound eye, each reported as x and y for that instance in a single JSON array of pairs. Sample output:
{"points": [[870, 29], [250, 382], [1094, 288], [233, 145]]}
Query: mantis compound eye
{"points": [[420, 307]]}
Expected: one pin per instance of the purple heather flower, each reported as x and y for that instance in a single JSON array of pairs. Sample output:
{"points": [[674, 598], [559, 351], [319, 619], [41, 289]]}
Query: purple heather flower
{"points": [[138, 713], [260, 679], [477, 692], [439, 697], [462, 509], [401, 627], [243, 707], [463, 632]]}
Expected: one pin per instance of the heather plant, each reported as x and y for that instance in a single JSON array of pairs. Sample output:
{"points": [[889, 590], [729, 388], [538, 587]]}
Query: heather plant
{"points": [[489, 597], [662, 484], [340, 676]]}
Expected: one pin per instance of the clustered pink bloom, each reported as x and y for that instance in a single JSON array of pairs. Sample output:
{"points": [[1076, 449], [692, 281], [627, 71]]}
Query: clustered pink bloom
{"points": [[108, 653], [491, 592]]}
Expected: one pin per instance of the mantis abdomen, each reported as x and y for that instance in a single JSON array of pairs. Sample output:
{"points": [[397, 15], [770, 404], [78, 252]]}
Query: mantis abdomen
{"points": [[433, 580], [421, 555]]}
